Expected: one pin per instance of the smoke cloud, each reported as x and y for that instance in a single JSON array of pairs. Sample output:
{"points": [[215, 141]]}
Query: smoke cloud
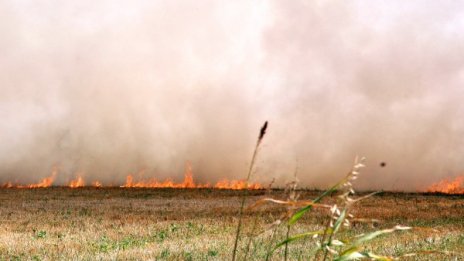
{"points": [[107, 88]]}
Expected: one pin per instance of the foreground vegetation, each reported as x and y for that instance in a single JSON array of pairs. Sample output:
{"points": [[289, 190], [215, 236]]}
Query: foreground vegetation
{"points": [[200, 224]]}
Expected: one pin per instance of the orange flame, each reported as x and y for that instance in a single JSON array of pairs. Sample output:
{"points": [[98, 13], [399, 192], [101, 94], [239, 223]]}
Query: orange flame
{"points": [[188, 182], [7, 185], [455, 186], [236, 184], [188, 178], [44, 183], [77, 183]]}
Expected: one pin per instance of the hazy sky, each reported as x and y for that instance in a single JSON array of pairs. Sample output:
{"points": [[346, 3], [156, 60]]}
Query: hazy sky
{"points": [[108, 88]]}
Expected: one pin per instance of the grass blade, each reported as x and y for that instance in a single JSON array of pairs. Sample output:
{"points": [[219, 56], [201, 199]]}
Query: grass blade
{"points": [[296, 237], [303, 210], [378, 233]]}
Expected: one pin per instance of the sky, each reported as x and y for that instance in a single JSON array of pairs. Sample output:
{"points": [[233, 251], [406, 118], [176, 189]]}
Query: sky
{"points": [[103, 89]]}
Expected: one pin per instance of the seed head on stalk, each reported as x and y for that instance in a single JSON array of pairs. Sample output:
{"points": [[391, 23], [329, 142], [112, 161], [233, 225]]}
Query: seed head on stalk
{"points": [[262, 132]]}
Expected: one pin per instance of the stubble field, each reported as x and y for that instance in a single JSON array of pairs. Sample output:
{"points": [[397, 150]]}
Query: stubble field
{"points": [[199, 224]]}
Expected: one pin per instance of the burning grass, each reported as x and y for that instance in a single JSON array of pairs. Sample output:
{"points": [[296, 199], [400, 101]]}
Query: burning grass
{"points": [[199, 224], [132, 182], [140, 233], [446, 186]]}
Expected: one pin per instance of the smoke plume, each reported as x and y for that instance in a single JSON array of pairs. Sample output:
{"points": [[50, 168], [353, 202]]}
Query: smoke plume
{"points": [[107, 88]]}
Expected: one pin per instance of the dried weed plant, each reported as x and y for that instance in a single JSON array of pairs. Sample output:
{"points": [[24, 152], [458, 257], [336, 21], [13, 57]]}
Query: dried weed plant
{"points": [[262, 132], [328, 243]]}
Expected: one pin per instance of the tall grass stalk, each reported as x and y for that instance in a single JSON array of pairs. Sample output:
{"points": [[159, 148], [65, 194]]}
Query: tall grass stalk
{"points": [[262, 132], [328, 247], [251, 236], [292, 196], [272, 241]]}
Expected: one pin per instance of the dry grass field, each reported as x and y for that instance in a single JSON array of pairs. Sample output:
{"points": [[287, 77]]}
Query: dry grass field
{"points": [[199, 224]]}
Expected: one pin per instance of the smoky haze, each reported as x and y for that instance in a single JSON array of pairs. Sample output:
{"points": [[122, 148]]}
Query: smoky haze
{"points": [[107, 88]]}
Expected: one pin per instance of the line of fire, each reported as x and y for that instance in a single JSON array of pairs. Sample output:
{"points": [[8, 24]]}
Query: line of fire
{"points": [[132, 182], [445, 186]]}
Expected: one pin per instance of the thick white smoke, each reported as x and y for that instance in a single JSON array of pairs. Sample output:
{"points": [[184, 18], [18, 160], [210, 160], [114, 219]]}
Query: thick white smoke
{"points": [[107, 88]]}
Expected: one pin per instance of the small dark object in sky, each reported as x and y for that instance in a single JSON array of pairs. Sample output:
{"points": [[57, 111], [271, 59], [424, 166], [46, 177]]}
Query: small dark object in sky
{"points": [[383, 164], [263, 131]]}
